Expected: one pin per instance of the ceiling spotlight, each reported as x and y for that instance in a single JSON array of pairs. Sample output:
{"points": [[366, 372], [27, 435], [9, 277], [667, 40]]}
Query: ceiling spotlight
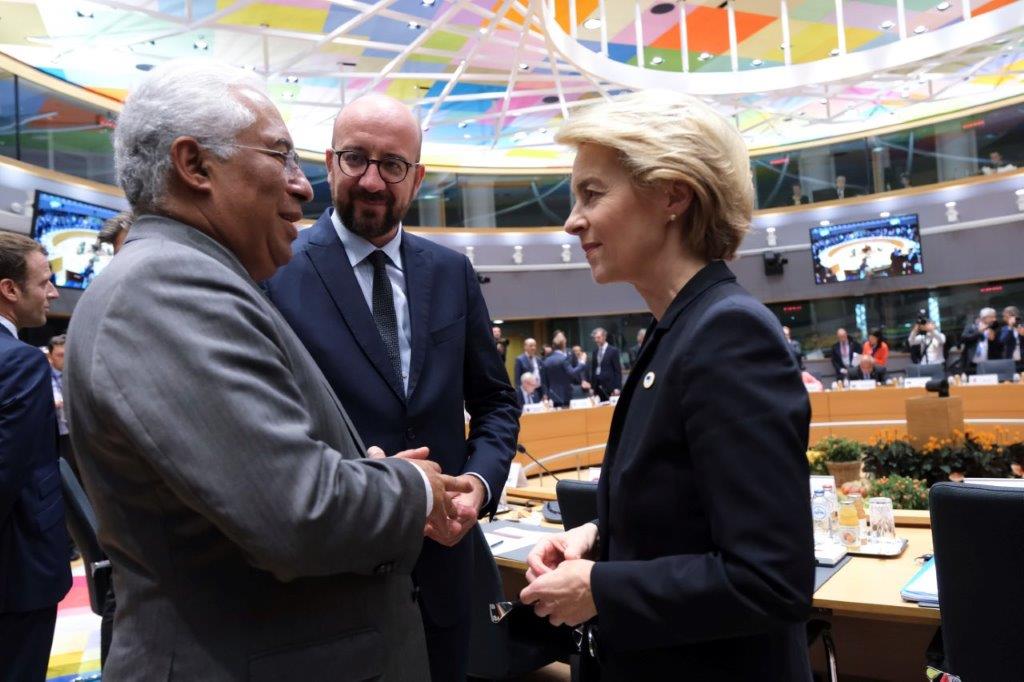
{"points": [[824, 223], [657, 60], [523, 66], [884, 214], [542, 131], [834, 52], [291, 79], [704, 56], [823, 100], [943, 6], [84, 14], [143, 67], [920, 28], [886, 25], [951, 213], [415, 26], [427, 3], [663, 8], [592, 24], [200, 44], [517, 254], [756, 62], [566, 253], [466, 136], [1000, 41], [1020, 199]]}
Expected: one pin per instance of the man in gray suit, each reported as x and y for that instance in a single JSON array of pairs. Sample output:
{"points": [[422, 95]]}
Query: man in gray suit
{"points": [[250, 537]]}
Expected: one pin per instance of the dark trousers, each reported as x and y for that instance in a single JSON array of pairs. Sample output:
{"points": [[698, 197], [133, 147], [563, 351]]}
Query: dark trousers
{"points": [[25, 641], [447, 649]]}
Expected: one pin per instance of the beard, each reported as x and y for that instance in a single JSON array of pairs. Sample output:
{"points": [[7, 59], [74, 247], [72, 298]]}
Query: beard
{"points": [[369, 224]]}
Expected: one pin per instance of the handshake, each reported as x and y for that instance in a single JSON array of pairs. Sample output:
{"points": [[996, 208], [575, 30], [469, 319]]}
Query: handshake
{"points": [[457, 499]]}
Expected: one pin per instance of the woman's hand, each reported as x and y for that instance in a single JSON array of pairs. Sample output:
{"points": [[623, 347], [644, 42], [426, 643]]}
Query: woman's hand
{"points": [[563, 595], [549, 553]]}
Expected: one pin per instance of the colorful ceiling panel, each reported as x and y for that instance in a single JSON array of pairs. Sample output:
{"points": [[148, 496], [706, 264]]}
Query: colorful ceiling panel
{"points": [[492, 80]]}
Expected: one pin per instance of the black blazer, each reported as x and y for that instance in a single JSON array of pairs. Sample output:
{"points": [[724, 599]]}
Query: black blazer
{"points": [[610, 378], [837, 363], [706, 557], [559, 375], [34, 544], [524, 365]]}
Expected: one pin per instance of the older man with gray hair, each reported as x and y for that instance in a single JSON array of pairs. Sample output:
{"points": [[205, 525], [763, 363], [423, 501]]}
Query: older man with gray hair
{"points": [[250, 536], [981, 340]]}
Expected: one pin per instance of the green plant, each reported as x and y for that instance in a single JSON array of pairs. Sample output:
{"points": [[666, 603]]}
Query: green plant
{"points": [[905, 492], [886, 455], [840, 449], [816, 463]]}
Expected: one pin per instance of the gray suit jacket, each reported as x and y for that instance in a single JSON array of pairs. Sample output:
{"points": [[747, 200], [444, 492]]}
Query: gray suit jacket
{"points": [[249, 536]]}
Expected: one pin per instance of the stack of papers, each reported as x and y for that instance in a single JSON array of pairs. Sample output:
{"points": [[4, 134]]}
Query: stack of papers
{"points": [[505, 539], [923, 587], [828, 553]]}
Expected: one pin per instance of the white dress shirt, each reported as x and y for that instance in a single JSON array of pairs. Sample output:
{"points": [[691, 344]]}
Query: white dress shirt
{"points": [[9, 326], [600, 356]]}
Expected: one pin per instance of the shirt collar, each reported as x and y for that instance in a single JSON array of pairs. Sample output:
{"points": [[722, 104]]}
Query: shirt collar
{"points": [[9, 326], [358, 248]]}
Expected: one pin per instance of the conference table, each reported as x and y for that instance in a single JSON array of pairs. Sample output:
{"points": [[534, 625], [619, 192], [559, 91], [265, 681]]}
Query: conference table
{"points": [[877, 635], [574, 438]]}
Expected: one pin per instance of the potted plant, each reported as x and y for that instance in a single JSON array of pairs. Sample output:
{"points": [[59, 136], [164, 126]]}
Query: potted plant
{"points": [[842, 457], [905, 492]]}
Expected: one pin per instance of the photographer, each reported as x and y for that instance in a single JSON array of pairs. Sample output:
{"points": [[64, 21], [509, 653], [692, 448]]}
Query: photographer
{"points": [[929, 340], [1009, 335], [981, 340]]}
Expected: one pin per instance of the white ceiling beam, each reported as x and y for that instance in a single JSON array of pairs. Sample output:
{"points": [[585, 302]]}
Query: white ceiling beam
{"points": [[512, 77]]}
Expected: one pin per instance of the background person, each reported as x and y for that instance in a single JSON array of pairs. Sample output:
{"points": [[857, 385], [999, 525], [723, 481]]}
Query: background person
{"points": [[877, 348], [929, 340], [690, 570]]}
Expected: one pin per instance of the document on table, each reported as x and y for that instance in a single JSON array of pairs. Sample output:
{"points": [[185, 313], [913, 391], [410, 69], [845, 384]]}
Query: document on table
{"points": [[923, 587], [504, 540]]}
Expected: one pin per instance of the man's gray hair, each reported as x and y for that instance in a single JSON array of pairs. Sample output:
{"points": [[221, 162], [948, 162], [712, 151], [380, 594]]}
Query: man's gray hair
{"points": [[186, 97], [985, 312]]}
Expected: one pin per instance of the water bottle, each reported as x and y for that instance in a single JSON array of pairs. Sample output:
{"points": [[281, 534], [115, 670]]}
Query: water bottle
{"points": [[820, 514]]}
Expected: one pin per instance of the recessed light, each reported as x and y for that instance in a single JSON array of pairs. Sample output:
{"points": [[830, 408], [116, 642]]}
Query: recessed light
{"points": [[291, 79], [757, 62], [663, 8], [657, 60], [884, 214], [920, 28], [84, 14], [542, 131], [704, 56], [466, 136], [415, 26], [943, 6], [886, 25], [143, 67], [592, 24], [824, 223], [523, 66], [834, 52], [200, 44], [823, 100], [427, 3], [950, 204]]}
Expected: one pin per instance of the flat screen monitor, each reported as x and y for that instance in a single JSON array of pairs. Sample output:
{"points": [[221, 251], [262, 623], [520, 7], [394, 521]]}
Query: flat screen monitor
{"points": [[68, 229], [883, 247]]}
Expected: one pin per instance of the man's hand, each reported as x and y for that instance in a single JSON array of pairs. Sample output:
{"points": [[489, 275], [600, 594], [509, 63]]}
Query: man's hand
{"points": [[563, 595], [467, 505], [585, 385], [616, 392], [549, 553]]}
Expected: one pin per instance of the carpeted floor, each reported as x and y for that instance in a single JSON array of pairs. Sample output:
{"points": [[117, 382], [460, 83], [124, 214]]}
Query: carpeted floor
{"points": [[76, 640]]}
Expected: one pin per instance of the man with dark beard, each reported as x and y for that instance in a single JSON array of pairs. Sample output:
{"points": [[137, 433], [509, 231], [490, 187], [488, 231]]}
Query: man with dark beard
{"points": [[399, 327]]}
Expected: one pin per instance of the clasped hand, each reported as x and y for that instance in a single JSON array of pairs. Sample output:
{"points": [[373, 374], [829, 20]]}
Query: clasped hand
{"points": [[559, 577], [457, 499]]}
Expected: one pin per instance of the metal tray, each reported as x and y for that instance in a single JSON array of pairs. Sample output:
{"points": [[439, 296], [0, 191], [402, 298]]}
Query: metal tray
{"points": [[887, 550]]}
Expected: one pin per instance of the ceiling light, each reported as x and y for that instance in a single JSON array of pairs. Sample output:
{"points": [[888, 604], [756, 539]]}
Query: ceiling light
{"points": [[756, 62], [823, 100], [950, 204], [499, 321], [542, 131], [834, 52], [663, 8], [200, 44], [824, 223], [415, 26], [920, 28], [466, 136], [427, 3], [592, 24], [657, 60], [884, 214], [523, 66], [84, 13], [143, 67], [942, 6], [291, 79], [704, 56], [886, 25], [782, 46], [1000, 41]]}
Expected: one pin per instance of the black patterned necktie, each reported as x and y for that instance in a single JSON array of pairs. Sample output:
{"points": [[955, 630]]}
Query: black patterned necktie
{"points": [[384, 311]]}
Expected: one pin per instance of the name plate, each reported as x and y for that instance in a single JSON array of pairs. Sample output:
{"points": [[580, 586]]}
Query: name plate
{"points": [[983, 379], [577, 403], [814, 388], [916, 382], [613, 400], [534, 407], [862, 384]]}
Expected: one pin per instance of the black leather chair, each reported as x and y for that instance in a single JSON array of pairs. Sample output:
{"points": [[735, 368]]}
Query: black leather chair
{"points": [[577, 501], [519, 644], [933, 371], [978, 534], [1003, 368], [82, 526]]}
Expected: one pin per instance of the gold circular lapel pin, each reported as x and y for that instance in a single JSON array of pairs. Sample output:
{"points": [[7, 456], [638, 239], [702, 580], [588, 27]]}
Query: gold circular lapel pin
{"points": [[648, 379]]}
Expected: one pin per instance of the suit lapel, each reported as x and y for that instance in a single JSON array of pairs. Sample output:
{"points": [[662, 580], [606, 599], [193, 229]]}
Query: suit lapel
{"points": [[330, 262], [419, 280]]}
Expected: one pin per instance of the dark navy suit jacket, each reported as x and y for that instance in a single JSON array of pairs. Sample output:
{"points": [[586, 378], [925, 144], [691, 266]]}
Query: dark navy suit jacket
{"points": [[559, 376], [524, 365], [34, 544], [706, 560], [610, 378], [453, 360]]}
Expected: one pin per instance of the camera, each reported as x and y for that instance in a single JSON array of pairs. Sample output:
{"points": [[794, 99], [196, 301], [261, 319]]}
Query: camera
{"points": [[922, 317]]}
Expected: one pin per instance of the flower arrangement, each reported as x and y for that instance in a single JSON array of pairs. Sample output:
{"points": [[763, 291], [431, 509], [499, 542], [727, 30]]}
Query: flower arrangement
{"points": [[816, 462], [835, 449], [905, 492], [941, 459]]}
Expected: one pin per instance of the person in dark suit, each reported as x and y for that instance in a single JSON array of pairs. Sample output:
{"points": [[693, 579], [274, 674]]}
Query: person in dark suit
{"points": [[634, 351], [560, 373], [528, 392], [530, 362], [701, 560], [1009, 336], [839, 191], [867, 369], [842, 354], [399, 327], [981, 341], [34, 570], [798, 197], [794, 346], [605, 366]]}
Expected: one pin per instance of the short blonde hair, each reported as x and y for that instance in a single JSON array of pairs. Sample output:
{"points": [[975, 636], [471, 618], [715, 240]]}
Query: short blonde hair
{"points": [[665, 137]]}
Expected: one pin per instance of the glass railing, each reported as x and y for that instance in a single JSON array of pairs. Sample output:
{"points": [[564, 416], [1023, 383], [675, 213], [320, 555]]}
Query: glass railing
{"points": [[55, 130]]}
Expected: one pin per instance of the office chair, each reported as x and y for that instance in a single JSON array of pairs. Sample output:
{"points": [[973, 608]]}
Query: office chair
{"points": [[1003, 368], [933, 371], [519, 644], [978, 533], [82, 526], [577, 501]]}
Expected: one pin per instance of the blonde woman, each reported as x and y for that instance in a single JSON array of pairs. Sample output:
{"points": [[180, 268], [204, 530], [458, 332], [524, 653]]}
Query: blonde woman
{"points": [[700, 564]]}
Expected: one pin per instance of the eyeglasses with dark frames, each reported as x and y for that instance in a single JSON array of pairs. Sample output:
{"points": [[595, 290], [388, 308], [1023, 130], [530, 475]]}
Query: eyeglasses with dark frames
{"points": [[354, 164]]}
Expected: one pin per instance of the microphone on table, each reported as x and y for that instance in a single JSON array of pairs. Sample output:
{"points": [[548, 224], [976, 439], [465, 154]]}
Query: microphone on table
{"points": [[940, 386], [522, 450]]}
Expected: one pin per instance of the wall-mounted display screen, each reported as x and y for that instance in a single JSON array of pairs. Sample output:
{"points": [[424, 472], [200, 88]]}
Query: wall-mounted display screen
{"points": [[68, 229], [883, 247]]}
